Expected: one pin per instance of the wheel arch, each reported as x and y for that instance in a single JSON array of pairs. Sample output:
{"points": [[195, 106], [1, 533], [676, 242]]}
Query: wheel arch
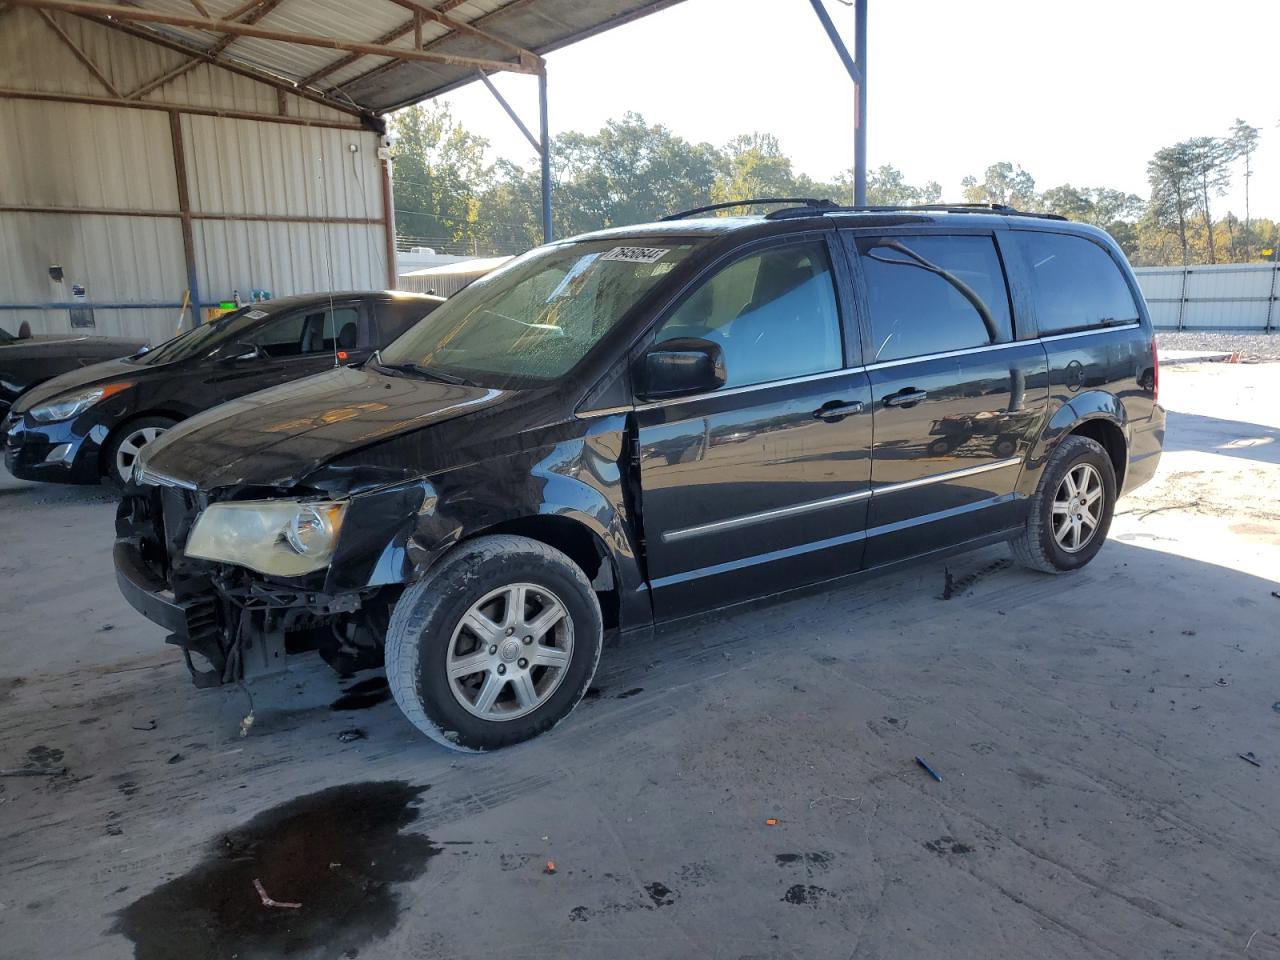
{"points": [[1096, 414], [119, 428], [576, 540]]}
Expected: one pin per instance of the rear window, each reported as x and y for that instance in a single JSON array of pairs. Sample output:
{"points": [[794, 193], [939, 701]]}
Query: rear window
{"points": [[933, 294], [1076, 284]]}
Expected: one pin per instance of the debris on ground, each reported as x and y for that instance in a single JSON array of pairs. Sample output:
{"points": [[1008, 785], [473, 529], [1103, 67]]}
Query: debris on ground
{"points": [[149, 725], [550, 867], [355, 733], [928, 769], [771, 822], [268, 902], [1222, 681], [1250, 758], [176, 758], [33, 772], [1276, 594]]}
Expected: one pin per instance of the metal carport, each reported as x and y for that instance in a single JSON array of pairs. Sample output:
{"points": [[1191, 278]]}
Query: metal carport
{"points": [[152, 150]]}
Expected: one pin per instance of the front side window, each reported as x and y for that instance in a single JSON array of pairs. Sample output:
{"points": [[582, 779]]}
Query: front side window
{"points": [[933, 294], [1076, 284], [534, 319], [773, 314]]}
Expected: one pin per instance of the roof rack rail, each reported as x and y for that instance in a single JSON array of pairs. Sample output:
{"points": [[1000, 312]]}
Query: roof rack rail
{"points": [[805, 203], [827, 207]]}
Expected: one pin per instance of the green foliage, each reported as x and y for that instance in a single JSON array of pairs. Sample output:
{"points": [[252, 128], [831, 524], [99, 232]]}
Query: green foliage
{"points": [[448, 195]]}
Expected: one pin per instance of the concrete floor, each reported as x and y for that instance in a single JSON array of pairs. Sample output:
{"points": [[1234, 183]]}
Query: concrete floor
{"points": [[1087, 729]]}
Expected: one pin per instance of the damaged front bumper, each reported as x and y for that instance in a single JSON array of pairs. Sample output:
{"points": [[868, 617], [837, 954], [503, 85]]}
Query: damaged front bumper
{"points": [[230, 624]]}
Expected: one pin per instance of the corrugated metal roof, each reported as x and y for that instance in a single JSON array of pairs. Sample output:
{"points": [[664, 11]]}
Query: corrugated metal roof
{"points": [[379, 84]]}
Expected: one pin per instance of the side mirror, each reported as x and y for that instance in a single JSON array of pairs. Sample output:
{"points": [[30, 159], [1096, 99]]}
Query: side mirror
{"points": [[238, 351], [676, 368]]}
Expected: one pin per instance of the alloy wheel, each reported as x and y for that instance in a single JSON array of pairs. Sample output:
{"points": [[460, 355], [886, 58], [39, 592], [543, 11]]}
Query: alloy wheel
{"points": [[510, 652], [1077, 507], [130, 447]]}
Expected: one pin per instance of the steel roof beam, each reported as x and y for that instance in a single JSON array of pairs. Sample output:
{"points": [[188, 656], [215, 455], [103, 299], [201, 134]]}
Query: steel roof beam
{"points": [[250, 12], [79, 54], [261, 33]]}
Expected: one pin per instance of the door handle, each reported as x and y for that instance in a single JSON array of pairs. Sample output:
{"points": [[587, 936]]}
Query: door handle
{"points": [[837, 410], [905, 398]]}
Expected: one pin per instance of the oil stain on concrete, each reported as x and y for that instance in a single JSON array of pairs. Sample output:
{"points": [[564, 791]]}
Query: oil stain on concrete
{"points": [[339, 852], [364, 694]]}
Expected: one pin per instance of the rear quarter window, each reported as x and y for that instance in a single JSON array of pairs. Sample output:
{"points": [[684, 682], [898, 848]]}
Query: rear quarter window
{"points": [[1076, 284]]}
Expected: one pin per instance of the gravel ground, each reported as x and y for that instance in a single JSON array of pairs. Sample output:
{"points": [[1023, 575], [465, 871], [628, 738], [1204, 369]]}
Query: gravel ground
{"points": [[1253, 348]]}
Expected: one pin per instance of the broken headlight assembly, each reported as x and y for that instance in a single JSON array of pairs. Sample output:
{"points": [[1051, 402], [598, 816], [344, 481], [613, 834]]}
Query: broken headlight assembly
{"points": [[281, 538]]}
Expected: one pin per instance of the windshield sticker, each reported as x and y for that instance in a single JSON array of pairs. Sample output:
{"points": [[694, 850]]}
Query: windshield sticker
{"points": [[256, 314], [637, 254]]}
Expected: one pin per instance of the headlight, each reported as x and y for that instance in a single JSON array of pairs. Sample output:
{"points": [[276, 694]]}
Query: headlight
{"points": [[73, 404], [281, 538]]}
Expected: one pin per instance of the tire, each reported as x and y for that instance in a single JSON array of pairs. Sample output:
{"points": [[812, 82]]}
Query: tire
{"points": [[122, 449], [1044, 544], [432, 625]]}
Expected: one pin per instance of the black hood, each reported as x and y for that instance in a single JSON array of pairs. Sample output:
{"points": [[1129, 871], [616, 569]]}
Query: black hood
{"points": [[278, 437]]}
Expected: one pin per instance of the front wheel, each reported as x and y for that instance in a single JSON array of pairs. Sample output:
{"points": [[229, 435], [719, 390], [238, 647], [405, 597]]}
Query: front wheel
{"points": [[1070, 513], [497, 645], [123, 448]]}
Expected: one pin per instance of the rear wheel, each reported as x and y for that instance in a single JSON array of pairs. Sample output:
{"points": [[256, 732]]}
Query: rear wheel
{"points": [[123, 449], [497, 645], [1071, 510]]}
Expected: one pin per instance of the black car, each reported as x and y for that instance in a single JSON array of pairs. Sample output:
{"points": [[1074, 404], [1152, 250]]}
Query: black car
{"points": [[27, 360], [82, 426], [638, 425]]}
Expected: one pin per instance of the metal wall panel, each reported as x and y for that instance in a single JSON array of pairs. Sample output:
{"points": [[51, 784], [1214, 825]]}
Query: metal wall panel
{"points": [[1229, 296], [250, 167], [74, 155], [118, 260], [287, 258]]}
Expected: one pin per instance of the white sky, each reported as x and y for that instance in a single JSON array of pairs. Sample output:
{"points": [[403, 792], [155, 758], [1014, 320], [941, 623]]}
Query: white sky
{"points": [[1081, 91]]}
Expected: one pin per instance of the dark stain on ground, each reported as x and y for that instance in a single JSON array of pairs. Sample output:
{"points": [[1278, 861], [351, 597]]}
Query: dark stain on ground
{"points": [[946, 845], [660, 894], [804, 893], [630, 693], [579, 915], [363, 695], [339, 852], [128, 788], [43, 756], [593, 693], [952, 585], [818, 859]]}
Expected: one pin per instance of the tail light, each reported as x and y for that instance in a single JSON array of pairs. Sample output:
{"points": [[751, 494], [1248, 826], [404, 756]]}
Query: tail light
{"points": [[1155, 369]]}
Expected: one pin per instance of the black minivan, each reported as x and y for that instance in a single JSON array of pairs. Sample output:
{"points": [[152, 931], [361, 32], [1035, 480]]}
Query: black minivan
{"points": [[637, 425], [92, 422]]}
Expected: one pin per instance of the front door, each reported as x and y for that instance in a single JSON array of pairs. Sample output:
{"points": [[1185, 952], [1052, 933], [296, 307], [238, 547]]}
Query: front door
{"points": [[957, 400], [763, 484], [290, 347]]}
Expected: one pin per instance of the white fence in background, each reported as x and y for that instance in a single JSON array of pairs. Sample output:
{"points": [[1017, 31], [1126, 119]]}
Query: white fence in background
{"points": [[1229, 296]]}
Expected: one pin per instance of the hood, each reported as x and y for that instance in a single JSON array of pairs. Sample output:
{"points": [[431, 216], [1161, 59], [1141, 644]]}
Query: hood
{"points": [[276, 437], [108, 371]]}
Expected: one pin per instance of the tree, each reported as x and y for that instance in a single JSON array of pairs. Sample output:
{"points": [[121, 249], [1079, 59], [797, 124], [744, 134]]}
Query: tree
{"points": [[1171, 173], [1210, 159], [439, 174], [1244, 141], [754, 166], [1003, 183]]}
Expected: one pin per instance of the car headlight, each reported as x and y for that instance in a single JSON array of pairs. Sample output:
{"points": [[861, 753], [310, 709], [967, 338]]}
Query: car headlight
{"points": [[73, 404], [281, 538]]}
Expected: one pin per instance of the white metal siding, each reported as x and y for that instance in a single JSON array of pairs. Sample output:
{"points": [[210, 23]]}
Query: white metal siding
{"points": [[92, 157], [1237, 296]]}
